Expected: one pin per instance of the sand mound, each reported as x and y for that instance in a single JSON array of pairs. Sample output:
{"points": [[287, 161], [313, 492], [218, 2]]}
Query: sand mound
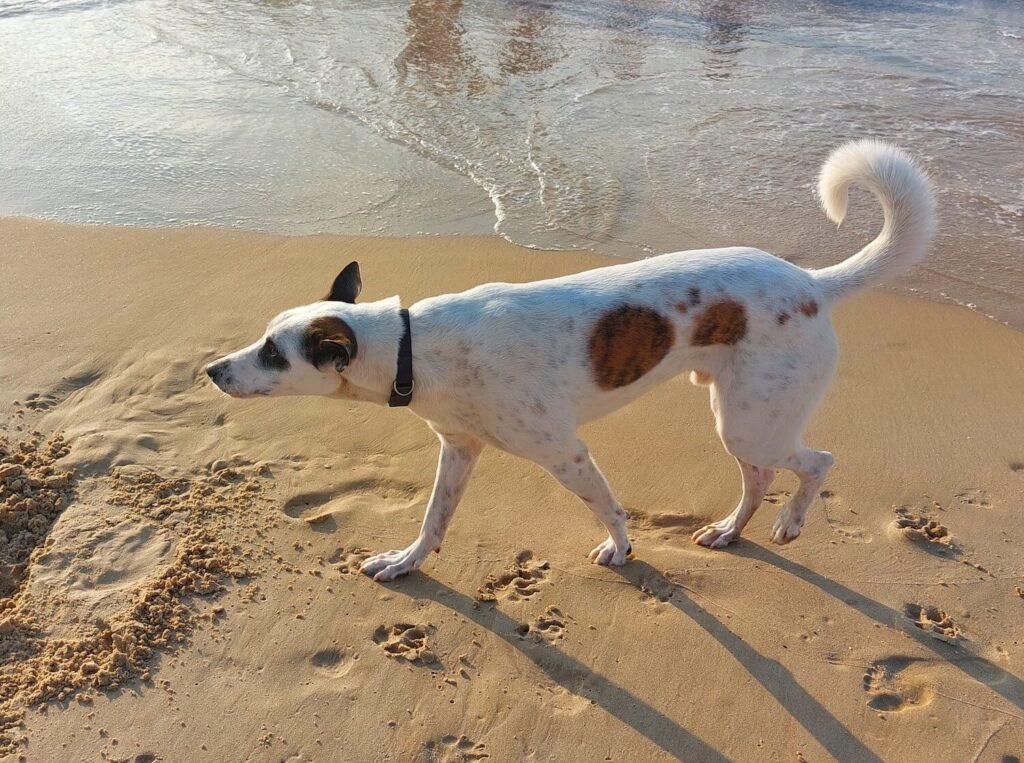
{"points": [[165, 554], [32, 494]]}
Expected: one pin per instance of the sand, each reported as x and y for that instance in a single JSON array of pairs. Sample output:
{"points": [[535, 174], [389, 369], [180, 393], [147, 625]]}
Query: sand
{"points": [[178, 569]]}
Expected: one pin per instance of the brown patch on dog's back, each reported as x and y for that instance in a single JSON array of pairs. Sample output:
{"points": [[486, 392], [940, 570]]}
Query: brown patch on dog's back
{"points": [[724, 322], [808, 307], [626, 343]]}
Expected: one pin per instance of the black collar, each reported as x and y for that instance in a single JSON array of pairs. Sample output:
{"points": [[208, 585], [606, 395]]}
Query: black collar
{"points": [[401, 390]]}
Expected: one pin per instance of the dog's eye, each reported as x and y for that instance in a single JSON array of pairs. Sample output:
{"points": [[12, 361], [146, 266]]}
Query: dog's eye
{"points": [[271, 357]]}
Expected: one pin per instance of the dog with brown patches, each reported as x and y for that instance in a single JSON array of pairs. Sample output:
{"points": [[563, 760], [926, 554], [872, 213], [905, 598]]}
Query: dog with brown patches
{"points": [[522, 366]]}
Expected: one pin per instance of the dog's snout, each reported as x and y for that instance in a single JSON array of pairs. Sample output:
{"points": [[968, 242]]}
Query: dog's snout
{"points": [[215, 371]]}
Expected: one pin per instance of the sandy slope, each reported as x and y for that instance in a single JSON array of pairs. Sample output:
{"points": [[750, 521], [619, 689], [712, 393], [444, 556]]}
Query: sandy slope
{"points": [[863, 640]]}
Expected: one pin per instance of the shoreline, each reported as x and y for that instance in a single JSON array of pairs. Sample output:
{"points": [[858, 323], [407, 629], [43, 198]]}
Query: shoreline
{"points": [[912, 292], [889, 629]]}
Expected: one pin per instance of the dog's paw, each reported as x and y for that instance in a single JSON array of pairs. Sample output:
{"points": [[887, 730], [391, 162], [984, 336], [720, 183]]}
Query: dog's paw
{"points": [[392, 564], [787, 526], [606, 554], [717, 535]]}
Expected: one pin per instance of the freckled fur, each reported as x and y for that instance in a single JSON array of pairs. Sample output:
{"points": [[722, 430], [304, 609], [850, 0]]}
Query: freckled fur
{"points": [[535, 361]]}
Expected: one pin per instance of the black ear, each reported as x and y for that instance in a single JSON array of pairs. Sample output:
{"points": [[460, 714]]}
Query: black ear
{"points": [[347, 285], [333, 351]]}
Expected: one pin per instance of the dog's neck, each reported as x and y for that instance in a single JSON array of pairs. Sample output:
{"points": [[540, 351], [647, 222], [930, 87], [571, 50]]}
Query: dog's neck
{"points": [[378, 328]]}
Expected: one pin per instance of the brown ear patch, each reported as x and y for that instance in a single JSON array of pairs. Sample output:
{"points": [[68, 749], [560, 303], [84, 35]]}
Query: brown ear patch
{"points": [[723, 322], [626, 343], [808, 307], [327, 328]]}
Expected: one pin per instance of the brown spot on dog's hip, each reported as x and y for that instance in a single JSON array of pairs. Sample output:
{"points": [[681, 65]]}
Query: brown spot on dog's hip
{"points": [[808, 307], [626, 343], [723, 322]]}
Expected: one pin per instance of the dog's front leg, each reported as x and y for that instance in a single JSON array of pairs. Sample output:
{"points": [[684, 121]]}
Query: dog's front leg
{"points": [[578, 473], [459, 454]]}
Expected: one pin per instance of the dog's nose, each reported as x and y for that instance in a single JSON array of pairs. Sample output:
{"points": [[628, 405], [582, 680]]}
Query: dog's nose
{"points": [[213, 371]]}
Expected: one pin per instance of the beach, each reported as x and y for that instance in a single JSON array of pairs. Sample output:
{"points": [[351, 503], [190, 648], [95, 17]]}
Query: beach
{"points": [[626, 127], [180, 572]]}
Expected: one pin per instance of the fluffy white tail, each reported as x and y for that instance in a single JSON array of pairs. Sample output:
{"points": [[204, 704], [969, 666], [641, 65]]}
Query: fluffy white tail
{"points": [[906, 198]]}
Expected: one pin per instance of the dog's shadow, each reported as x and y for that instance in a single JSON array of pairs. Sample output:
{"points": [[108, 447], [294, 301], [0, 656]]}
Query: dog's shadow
{"points": [[567, 671], [632, 710], [1006, 684]]}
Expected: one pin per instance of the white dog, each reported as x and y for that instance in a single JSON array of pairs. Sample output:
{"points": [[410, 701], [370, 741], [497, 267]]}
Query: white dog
{"points": [[522, 366]]}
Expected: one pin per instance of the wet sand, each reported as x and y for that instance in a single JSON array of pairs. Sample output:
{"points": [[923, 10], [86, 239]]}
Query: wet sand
{"points": [[190, 587], [629, 128]]}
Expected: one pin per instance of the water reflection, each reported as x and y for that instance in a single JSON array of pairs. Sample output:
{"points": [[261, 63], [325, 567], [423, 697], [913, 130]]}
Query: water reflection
{"points": [[627, 47], [436, 52], [726, 22], [529, 47]]}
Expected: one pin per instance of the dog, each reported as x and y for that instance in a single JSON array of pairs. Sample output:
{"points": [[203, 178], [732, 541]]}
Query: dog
{"points": [[522, 366]]}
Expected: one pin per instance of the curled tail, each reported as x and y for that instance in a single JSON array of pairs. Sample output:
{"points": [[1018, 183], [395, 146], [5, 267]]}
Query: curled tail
{"points": [[907, 201]]}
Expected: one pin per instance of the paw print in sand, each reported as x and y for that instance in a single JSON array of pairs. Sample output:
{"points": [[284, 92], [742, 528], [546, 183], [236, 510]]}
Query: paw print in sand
{"points": [[521, 580], [548, 627], [918, 526], [975, 498], [892, 685], [405, 641], [453, 749], [347, 560], [933, 621]]}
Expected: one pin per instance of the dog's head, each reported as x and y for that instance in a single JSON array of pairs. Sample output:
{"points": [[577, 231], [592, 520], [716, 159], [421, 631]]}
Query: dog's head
{"points": [[304, 351]]}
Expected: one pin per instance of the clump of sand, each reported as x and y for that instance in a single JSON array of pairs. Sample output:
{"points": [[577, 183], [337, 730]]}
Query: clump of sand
{"points": [[201, 511], [33, 491]]}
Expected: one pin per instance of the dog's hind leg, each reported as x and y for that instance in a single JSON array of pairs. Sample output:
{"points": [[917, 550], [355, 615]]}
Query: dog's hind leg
{"points": [[459, 454], [579, 474], [811, 467], [761, 406], [756, 480]]}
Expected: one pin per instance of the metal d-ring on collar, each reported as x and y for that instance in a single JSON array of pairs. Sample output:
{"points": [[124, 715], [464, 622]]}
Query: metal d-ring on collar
{"points": [[401, 390]]}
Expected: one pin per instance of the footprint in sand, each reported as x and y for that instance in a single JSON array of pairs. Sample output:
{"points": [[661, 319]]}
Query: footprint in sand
{"points": [[777, 497], [892, 686], [521, 580], [332, 661], [838, 520], [304, 505], [917, 525], [44, 401], [548, 627], [667, 524], [655, 586], [933, 621], [405, 641], [452, 749], [975, 498], [311, 507]]}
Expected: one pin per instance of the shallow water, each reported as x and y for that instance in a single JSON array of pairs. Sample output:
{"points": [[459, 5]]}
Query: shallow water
{"points": [[626, 127]]}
